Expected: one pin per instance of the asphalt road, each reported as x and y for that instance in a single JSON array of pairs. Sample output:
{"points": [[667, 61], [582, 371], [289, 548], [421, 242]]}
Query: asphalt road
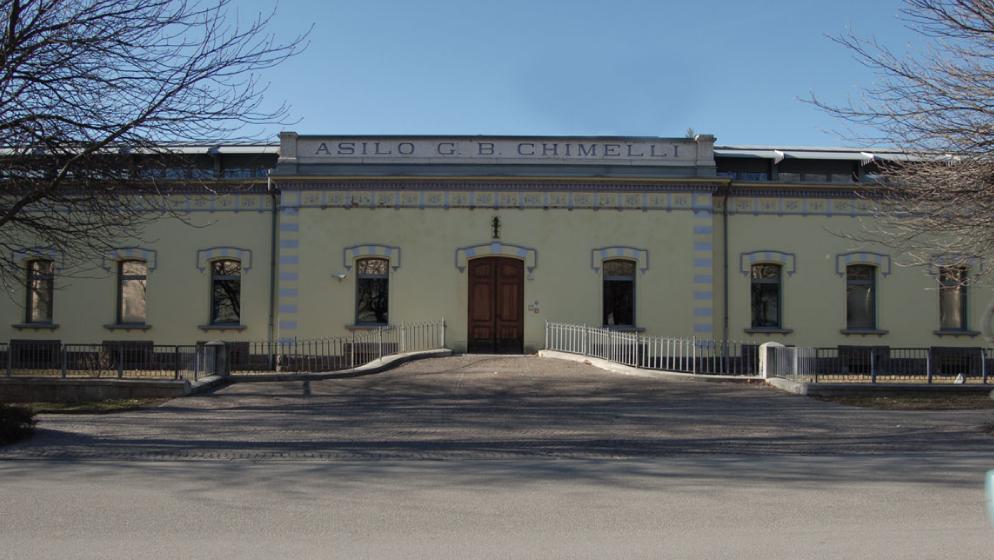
{"points": [[915, 506], [477, 457]]}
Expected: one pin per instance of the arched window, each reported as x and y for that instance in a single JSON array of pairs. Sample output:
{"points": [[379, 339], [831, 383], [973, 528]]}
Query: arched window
{"points": [[226, 292], [766, 296], [40, 290], [132, 276], [619, 292], [861, 297], [372, 291]]}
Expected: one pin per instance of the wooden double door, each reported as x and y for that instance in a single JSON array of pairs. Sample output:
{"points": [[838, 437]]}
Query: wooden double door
{"points": [[496, 306]]}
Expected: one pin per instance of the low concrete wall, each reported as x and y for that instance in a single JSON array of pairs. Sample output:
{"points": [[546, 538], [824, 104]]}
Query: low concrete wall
{"points": [[13, 389], [877, 390]]}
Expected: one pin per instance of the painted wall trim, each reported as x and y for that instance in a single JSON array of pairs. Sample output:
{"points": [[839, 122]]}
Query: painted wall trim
{"points": [[601, 254], [111, 257], [205, 256], [25, 254], [497, 249], [878, 260], [350, 254], [767, 256]]}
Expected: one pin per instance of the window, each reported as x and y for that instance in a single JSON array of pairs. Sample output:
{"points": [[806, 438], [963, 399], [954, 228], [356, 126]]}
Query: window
{"points": [[40, 290], [226, 296], [861, 312], [372, 289], [619, 293], [131, 278], [952, 298], [766, 296]]}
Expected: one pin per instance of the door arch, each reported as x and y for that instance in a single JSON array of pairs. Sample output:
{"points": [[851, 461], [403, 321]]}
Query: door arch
{"points": [[496, 306]]}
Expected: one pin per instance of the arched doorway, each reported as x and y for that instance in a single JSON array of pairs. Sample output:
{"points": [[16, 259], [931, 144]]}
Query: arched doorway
{"points": [[496, 306]]}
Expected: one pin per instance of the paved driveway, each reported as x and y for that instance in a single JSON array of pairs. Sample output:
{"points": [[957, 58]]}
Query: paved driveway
{"points": [[483, 407]]}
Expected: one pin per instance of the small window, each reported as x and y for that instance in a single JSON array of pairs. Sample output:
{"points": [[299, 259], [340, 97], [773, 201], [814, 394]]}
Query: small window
{"points": [[861, 305], [952, 298], [226, 292], [40, 288], [372, 291], [131, 280], [619, 293], [766, 296]]}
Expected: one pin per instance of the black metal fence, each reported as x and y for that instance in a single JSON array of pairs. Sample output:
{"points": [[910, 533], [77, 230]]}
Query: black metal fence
{"points": [[147, 360], [883, 364], [335, 353], [45, 358], [841, 364]]}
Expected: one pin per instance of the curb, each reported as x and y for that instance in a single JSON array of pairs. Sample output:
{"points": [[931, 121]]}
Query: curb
{"points": [[640, 372], [807, 389]]}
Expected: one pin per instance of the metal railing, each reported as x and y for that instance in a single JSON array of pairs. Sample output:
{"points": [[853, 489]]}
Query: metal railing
{"points": [[880, 364], [335, 353], [145, 360], [705, 356], [108, 360]]}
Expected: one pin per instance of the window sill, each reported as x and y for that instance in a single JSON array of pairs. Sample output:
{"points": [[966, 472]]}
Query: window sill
{"points": [[768, 330], [128, 327], [956, 333], [36, 326], [221, 327], [624, 328], [366, 326], [863, 332]]}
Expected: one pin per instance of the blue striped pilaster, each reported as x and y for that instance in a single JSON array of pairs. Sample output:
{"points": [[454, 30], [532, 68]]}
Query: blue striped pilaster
{"points": [[288, 266], [702, 240]]}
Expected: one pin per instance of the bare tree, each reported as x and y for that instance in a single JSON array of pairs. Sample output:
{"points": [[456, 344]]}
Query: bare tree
{"points": [[936, 104], [89, 87]]}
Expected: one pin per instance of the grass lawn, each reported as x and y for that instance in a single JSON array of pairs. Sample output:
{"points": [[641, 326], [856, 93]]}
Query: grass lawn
{"points": [[917, 401], [95, 407]]}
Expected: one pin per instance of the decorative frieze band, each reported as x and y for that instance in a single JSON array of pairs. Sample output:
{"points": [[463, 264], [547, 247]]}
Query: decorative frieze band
{"points": [[878, 260], [787, 260], [637, 197], [205, 256], [601, 254]]}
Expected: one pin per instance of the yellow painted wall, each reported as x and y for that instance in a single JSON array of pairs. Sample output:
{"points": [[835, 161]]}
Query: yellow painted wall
{"points": [[814, 298], [428, 285], [563, 286], [177, 292]]}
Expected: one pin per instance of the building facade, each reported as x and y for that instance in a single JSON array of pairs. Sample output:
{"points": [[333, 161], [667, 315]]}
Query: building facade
{"points": [[322, 235]]}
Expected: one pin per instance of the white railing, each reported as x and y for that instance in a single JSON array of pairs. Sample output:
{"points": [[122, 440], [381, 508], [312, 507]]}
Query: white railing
{"points": [[788, 362], [705, 356]]}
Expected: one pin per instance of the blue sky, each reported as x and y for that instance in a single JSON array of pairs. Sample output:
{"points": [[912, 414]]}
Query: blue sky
{"points": [[629, 67]]}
